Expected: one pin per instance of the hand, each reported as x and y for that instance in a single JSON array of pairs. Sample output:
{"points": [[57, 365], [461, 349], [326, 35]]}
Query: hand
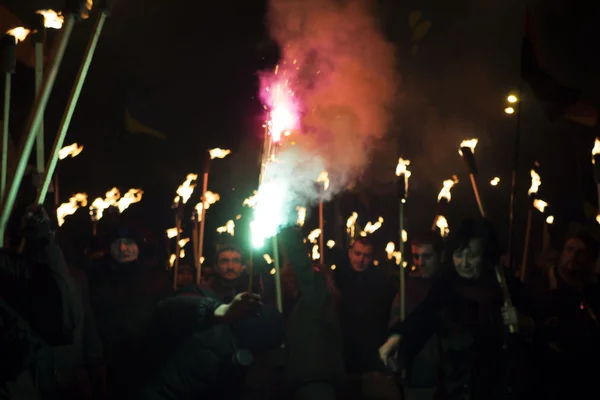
{"points": [[243, 305], [389, 351], [510, 316]]}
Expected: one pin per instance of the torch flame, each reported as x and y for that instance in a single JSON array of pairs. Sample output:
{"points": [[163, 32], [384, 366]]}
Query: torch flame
{"points": [[371, 227], [88, 7], [447, 186], [598, 218], [401, 168], [132, 196], [404, 236], [324, 178], [78, 200], [229, 228], [181, 253], [351, 224], [185, 190], [596, 149], [210, 198], [301, 216], [72, 150], [390, 249], [183, 242], [251, 201], [442, 224], [470, 143], [52, 19], [172, 259], [268, 258], [99, 204], [540, 205], [536, 181], [495, 181], [330, 244], [219, 153], [312, 237], [315, 252], [171, 233], [19, 33], [550, 219]]}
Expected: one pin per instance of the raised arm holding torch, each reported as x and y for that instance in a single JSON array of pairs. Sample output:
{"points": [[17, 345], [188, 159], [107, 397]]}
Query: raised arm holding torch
{"points": [[324, 185], [8, 63], [467, 150], [403, 174], [535, 185], [75, 92]]}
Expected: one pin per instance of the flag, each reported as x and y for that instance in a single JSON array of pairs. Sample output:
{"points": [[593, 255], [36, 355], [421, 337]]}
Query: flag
{"points": [[559, 101], [141, 117]]}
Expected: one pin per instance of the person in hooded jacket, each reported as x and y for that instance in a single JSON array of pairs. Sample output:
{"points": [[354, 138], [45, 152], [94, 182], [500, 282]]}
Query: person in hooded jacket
{"points": [[201, 347], [124, 291]]}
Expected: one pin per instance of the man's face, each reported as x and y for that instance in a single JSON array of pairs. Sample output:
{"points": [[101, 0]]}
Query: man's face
{"points": [[469, 261], [360, 256], [124, 250], [425, 260], [575, 260], [229, 265], [185, 277]]}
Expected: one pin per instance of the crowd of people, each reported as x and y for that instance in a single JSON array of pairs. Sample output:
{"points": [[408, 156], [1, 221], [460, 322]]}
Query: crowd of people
{"points": [[103, 321]]}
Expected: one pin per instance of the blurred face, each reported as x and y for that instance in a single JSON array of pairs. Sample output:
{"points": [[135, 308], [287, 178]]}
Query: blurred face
{"points": [[360, 256], [229, 265], [425, 260], [124, 251], [469, 262], [575, 261], [185, 277]]}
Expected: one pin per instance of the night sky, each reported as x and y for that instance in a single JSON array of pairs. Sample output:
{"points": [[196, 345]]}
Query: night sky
{"points": [[189, 69]]}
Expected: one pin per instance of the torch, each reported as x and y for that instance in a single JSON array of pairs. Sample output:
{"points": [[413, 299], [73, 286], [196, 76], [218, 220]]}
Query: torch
{"points": [[73, 99], [467, 150], [535, 185], [72, 150], [596, 163], [546, 239], [444, 197], [324, 179], [73, 10], [403, 174], [39, 37], [8, 46], [184, 192]]}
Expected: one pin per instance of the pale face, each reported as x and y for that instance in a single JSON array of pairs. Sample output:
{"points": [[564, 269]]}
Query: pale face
{"points": [[425, 260], [575, 262], [469, 262], [229, 265], [361, 256], [124, 251]]}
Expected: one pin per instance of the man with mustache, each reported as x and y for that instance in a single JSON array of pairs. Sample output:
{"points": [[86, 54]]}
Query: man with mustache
{"points": [[567, 330], [230, 276]]}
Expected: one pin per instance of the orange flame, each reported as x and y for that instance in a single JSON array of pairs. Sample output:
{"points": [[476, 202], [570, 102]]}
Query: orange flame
{"points": [[495, 181], [185, 190], [251, 201], [540, 205], [314, 235], [72, 150], [550, 219], [331, 244], [172, 232], [351, 224], [268, 259], [596, 149], [78, 200], [132, 196], [401, 168], [219, 153], [52, 19], [301, 216], [324, 178], [442, 224], [390, 249], [446, 188], [229, 228], [19, 33], [99, 204], [371, 227], [536, 181], [470, 143]]}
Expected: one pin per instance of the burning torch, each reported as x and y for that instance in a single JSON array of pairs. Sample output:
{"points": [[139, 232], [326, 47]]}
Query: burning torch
{"points": [[8, 62], [324, 179], [467, 150], [184, 192], [73, 12], [201, 209], [72, 150], [403, 174], [444, 198], [596, 162], [74, 96], [533, 190]]}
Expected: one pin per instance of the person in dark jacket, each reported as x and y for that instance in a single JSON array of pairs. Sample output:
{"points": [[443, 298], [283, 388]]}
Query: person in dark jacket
{"points": [[465, 308], [38, 302], [124, 291], [201, 346]]}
